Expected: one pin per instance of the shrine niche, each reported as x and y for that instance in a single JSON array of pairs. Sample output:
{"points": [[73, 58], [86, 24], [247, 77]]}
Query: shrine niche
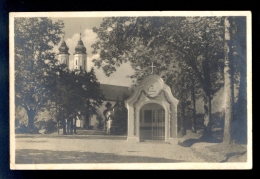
{"points": [[152, 112]]}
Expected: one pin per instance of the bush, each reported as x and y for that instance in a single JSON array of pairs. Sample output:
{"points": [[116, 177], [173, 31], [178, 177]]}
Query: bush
{"points": [[21, 129], [50, 127], [100, 123], [119, 124]]}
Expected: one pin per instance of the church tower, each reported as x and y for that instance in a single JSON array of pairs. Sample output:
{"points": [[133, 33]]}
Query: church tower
{"points": [[80, 56], [63, 55]]}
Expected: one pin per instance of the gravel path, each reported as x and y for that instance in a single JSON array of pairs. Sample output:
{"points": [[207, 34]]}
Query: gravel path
{"points": [[45, 149]]}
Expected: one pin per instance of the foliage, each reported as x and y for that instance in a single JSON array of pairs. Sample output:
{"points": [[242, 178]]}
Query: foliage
{"points": [[21, 129], [50, 126], [119, 124], [181, 48], [76, 93], [34, 39], [101, 122]]}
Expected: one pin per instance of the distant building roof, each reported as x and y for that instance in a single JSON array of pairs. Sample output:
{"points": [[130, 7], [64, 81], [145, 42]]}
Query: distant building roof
{"points": [[80, 48], [111, 92]]}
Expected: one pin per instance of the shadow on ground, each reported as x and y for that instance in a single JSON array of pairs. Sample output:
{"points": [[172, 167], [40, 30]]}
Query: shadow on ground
{"points": [[190, 142], [29, 156], [228, 156]]}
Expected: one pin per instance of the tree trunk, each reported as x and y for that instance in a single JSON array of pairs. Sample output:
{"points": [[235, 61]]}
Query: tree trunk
{"points": [[86, 122], [207, 95], [193, 98], [241, 106], [58, 123], [227, 86], [69, 126], [75, 125], [31, 116], [183, 127], [239, 126], [64, 126], [207, 116]]}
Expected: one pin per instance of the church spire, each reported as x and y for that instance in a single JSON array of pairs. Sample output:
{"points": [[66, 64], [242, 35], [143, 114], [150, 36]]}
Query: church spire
{"points": [[63, 49], [80, 48]]}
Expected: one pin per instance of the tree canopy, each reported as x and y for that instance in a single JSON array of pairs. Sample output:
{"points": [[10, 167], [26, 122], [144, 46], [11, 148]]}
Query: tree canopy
{"points": [[188, 53]]}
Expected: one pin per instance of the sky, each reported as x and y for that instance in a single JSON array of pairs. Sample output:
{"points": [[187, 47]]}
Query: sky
{"points": [[72, 31]]}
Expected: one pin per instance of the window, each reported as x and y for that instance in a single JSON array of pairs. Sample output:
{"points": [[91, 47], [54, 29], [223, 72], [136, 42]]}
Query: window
{"points": [[161, 115], [148, 114]]}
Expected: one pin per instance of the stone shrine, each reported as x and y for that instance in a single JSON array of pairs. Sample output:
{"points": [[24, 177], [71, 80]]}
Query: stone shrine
{"points": [[152, 112]]}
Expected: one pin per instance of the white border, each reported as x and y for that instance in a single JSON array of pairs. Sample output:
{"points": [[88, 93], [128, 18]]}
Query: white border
{"points": [[247, 165]]}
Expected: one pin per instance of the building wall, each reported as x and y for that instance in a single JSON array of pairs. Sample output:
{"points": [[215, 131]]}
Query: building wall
{"points": [[63, 59], [80, 60], [93, 120]]}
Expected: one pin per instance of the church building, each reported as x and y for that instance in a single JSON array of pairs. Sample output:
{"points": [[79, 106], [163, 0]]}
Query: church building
{"points": [[112, 93], [79, 60]]}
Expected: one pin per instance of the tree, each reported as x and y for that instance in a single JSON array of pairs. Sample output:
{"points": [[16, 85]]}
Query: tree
{"points": [[77, 94], [234, 72], [119, 116], [93, 95], [34, 39], [195, 41], [228, 83]]}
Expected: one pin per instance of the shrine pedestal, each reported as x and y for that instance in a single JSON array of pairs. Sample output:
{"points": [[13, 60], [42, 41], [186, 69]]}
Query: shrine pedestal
{"points": [[172, 140], [133, 139]]}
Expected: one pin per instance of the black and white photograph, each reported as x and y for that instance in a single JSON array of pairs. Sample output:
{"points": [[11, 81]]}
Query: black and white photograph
{"points": [[130, 90]]}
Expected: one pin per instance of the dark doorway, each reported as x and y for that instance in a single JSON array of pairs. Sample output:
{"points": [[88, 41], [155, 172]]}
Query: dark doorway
{"points": [[152, 122]]}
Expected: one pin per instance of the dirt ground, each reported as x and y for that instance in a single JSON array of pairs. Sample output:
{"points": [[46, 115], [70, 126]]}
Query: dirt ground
{"points": [[83, 149], [42, 149]]}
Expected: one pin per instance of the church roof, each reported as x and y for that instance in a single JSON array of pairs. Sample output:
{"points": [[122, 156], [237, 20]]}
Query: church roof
{"points": [[80, 48], [111, 92], [63, 49]]}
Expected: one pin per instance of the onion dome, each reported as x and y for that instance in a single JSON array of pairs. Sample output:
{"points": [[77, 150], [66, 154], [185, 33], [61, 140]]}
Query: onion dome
{"points": [[80, 48], [63, 49]]}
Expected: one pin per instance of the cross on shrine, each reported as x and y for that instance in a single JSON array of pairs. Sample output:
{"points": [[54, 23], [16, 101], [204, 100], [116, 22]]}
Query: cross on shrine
{"points": [[152, 67]]}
